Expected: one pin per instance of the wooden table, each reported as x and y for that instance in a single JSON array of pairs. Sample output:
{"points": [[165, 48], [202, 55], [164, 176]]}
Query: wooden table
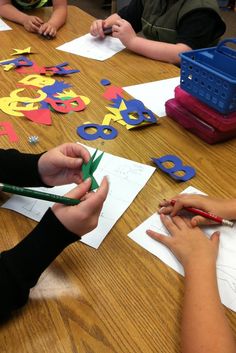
{"points": [[119, 298]]}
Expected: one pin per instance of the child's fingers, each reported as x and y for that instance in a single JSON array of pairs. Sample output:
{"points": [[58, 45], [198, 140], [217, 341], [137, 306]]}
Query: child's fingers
{"points": [[79, 191], [165, 209], [169, 224], [200, 221], [93, 202], [163, 239]]}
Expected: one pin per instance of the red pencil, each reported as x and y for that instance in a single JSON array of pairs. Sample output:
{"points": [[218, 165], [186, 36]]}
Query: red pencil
{"points": [[207, 215]]}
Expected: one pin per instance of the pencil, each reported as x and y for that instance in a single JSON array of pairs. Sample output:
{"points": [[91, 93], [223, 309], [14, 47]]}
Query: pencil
{"points": [[207, 215], [38, 195]]}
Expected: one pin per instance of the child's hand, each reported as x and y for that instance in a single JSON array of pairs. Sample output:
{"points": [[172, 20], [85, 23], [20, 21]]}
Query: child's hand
{"points": [[188, 244], [219, 207], [62, 164], [98, 26], [82, 218], [47, 29], [123, 30], [32, 23]]}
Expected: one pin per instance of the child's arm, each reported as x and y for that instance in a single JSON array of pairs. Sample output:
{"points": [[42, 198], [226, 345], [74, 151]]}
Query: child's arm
{"points": [[152, 49], [8, 11], [204, 324], [57, 20]]}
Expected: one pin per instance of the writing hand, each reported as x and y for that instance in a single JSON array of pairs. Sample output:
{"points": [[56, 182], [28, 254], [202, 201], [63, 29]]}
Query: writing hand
{"points": [[219, 207]]}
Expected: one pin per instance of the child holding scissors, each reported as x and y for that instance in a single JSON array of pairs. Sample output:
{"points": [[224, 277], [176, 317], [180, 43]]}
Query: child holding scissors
{"points": [[21, 266], [204, 324], [169, 27]]}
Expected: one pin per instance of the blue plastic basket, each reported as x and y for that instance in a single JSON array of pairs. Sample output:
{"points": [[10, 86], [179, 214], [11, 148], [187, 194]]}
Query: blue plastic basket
{"points": [[210, 75]]}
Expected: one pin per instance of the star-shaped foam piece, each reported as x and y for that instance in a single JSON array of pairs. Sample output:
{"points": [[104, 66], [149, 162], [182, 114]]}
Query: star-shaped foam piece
{"points": [[22, 51], [89, 168]]}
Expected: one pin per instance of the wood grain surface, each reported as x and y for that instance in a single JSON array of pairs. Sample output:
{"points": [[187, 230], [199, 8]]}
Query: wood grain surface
{"points": [[119, 298]]}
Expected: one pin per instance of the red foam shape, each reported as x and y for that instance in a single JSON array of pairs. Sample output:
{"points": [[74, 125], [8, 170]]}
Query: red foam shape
{"points": [[112, 92], [40, 116]]}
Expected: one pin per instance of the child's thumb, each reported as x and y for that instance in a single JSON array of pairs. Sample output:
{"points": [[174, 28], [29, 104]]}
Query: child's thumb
{"points": [[80, 190], [199, 220], [215, 238]]}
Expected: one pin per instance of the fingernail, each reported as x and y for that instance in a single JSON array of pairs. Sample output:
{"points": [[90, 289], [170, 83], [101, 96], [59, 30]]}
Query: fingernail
{"points": [[108, 178]]}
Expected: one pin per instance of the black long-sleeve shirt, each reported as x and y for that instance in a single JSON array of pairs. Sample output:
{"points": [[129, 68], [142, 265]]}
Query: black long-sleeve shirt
{"points": [[196, 29], [21, 266]]}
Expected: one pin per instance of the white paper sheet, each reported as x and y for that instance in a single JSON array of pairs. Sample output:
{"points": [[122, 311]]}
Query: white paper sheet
{"points": [[226, 261], [126, 179], [154, 94], [93, 47], [4, 26]]}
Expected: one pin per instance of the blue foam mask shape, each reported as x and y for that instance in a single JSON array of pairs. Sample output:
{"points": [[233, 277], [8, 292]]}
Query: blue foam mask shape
{"points": [[100, 132], [66, 106], [189, 172]]}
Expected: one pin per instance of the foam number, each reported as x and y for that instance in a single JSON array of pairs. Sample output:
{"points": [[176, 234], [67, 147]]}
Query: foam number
{"points": [[106, 132], [135, 108], [75, 104], [188, 172]]}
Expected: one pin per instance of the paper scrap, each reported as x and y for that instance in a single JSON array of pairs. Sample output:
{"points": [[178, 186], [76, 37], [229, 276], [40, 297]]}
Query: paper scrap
{"points": [[92, 47], [154, 94], [4, 26]]}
